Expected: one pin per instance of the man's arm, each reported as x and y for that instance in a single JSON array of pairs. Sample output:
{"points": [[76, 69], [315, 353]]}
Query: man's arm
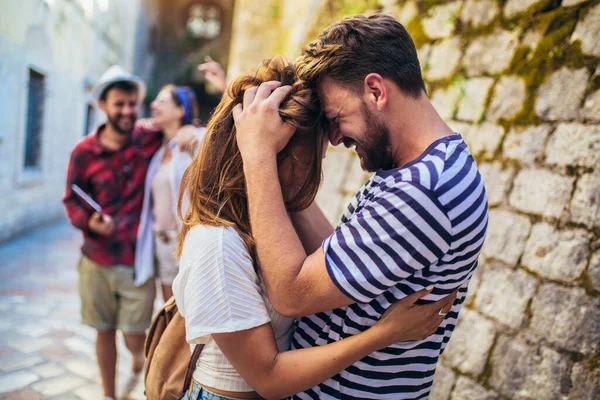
{"points": [[296, 284], [78, 214]]}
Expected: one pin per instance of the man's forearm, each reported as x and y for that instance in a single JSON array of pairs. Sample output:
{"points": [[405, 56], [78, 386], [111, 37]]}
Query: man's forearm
{"points": [[312, 227], [280, 251]]}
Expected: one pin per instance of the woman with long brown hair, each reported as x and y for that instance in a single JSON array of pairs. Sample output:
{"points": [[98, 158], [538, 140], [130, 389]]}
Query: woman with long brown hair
{"points": [[219, 290]]}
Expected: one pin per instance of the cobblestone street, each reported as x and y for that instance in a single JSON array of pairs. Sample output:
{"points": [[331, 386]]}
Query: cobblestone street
{"points": [[45, 352]]}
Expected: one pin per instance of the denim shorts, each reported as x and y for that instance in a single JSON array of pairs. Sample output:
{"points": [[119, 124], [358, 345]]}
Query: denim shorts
{"points": [[200, 393]]}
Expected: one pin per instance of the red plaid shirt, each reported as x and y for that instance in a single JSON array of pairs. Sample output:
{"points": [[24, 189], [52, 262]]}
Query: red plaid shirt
{"points": [[115, 179]]}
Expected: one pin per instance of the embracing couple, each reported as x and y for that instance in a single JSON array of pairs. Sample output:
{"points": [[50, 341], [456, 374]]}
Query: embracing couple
{"points": [[376, 298]]}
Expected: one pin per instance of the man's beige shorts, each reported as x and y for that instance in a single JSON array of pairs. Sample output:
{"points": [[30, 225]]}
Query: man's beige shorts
{"points": [[110, 300]]}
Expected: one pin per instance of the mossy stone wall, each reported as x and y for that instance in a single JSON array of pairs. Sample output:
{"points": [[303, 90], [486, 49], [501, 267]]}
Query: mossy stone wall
{"points": [[519, 79]]}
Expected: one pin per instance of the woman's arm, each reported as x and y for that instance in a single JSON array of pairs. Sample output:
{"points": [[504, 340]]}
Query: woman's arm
{"points": [[312, 227], [274, 375]]}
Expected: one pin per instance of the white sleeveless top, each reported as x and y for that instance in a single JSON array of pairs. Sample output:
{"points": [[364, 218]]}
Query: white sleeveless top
{"points": [[218, 291]]}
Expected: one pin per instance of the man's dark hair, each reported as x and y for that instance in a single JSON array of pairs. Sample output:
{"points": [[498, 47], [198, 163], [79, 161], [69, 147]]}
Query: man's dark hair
{"points": [[354, 47], [126, 86]]}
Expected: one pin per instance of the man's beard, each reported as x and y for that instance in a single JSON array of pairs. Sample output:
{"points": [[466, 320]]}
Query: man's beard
{"points": [[114, 122], [376, 144]]}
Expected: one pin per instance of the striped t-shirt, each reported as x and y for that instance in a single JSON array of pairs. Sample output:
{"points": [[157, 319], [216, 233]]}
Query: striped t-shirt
{"points": [[418, 225]]}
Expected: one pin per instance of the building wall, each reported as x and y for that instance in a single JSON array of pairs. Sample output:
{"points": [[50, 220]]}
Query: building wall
{"points": [[520, 80], [71, 42]]}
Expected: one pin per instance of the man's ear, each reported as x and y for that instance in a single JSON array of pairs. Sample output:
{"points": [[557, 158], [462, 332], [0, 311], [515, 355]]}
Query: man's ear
{"points": [[375, 91], [102, 105]]}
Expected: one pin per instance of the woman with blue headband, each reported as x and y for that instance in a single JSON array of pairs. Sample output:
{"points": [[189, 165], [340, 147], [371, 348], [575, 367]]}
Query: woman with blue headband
{"points": [[173, 108]]}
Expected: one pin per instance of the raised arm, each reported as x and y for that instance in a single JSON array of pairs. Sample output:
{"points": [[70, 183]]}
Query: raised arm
{"points": [[275, 375]]}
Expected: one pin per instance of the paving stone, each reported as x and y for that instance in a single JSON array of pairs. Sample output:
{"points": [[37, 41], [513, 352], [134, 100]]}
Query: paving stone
{"points": [[468, 389], [526, 145], [574, 144], [471, 342], [520, 371], [585, 206], [16, 380], [443, 381], [560, 96], [31, 345], [131, 387], [19, 361], [557, 254], [472, 105], [484, 139], [504, 294], [443, 59], [514, 7], [48, 370], [497, 180], [61, 334], [34, 331], [57, 353], [594, 271], [59, 385], [90, 392], [567, 317], [591, 107], [445, 100], [506, 236], [57, 246], [588, 31], [507, 100], [23, 394], [77, 344], [586, 382], [440, 20], [552, 192], [491, 54], [84, 368], [479, 12]]}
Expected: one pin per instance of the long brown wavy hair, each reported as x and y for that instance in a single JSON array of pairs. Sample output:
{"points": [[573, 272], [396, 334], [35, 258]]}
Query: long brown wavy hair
{"points": [[214, 182]]}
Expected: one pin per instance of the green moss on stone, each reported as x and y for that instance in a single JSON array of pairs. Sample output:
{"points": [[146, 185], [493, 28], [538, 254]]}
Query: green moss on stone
{"points": [[415, 28], [552, 52], [594, 362], [353, 7]]}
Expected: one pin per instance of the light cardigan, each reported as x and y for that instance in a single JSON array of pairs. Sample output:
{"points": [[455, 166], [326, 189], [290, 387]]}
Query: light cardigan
{"points": [[144, 252]]}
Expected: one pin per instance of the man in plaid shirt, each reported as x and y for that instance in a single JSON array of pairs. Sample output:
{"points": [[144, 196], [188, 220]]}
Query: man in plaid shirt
{"points": [[110, 166]]}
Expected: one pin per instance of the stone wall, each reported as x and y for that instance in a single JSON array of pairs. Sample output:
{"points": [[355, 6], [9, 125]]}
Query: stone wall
{"points": [[519, 80]]}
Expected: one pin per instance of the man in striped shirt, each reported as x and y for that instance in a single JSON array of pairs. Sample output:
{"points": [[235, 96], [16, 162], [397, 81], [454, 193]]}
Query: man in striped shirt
{"points": [[419, 221]]}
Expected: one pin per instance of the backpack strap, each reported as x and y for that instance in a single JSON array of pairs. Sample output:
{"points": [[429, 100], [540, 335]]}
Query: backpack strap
{"points": [[191, 367]]}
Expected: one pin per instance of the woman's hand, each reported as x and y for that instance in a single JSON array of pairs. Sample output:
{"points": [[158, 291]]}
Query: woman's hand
{"points": [[406, 320]]}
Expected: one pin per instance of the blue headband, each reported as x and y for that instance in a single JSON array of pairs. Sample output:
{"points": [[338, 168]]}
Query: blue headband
{"points": [[184, 94]]}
